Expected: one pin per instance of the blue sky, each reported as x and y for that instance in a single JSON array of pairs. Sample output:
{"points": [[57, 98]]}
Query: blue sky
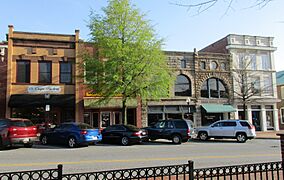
{"points": [[182, 30]]}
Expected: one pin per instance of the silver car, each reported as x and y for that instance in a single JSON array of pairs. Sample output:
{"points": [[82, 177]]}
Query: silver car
{"points": [[233, 129]]}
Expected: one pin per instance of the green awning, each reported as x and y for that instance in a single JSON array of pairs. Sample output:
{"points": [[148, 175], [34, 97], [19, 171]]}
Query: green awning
{"points": [[113, 103], [218, 108]]}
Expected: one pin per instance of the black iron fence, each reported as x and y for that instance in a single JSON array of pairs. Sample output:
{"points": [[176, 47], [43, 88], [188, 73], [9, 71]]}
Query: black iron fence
{"points": [[261, 171]]}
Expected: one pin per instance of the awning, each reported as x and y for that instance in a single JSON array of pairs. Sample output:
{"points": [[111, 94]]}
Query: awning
{"points": [[113, 103], [218, 108], [39, 100]]}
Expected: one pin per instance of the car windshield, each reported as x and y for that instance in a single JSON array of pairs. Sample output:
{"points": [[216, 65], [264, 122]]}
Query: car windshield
{"points": [[85, 126], [20, 123], [132, 128]]}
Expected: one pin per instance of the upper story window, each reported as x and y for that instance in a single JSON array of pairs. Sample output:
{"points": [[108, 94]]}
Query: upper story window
{"points": [[213, 88], [183, 63], [265, 62], [267, 83], [255, 85], [182, 86], [44, 72], [252, 61], [66, 72], [282, 92], [23, 71], [213, 65], [223, 66], [202, 65]]}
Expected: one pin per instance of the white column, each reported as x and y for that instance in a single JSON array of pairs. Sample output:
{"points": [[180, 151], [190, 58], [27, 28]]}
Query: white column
{"points": [[275, 118], [248, 114], [263, 123]]}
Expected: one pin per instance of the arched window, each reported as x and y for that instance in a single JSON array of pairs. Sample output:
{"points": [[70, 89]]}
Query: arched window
{"points": [[182, 86], [213, 88]]}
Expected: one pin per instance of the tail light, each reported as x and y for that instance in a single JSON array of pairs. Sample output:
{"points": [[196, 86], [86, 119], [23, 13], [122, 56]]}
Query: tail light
{"points": [[251, 127], [83, 132], [136, 133], [188, 132]]}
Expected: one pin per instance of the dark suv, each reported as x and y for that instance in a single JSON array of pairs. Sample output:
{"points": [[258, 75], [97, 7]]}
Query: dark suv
{"points": [[177, 130]]}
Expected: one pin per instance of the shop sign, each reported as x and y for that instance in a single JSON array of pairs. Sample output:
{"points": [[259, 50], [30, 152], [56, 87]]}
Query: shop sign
{"points": [[44, 89]]}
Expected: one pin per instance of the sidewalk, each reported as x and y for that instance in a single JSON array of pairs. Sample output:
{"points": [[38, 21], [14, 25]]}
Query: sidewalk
{"points": [[268, 134]]}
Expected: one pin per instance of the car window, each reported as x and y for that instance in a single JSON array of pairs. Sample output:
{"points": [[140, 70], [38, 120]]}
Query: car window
{"points": [[85, 126], [170, 125], [20, 123], [245, 124], [132, 128], [180, 124], [229, 124], [217, 124], [160, 124]]}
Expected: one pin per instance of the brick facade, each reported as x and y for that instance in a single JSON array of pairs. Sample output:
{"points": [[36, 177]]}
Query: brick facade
{"points": [[3, 78]]}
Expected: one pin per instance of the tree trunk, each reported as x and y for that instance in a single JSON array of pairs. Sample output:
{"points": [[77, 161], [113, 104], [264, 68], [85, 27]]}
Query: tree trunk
{"points": [[124, 111], [245, 109]]}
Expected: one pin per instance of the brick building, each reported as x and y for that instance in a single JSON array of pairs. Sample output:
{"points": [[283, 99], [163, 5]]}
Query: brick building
{"points": [[3, 79], [41, 80]]}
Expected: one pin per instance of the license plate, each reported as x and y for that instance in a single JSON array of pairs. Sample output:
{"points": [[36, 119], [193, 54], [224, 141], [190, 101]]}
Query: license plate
{"points": [[26, 140]]}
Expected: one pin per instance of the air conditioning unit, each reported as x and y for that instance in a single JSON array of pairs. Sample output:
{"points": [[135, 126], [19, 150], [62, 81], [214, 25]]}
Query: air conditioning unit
{"points": [[2, 51]]}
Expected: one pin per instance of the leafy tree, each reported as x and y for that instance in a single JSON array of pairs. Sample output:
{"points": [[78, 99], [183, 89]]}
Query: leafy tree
{"points": [[129, 62]]}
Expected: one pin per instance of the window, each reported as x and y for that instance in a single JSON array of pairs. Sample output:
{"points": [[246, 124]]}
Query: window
{"points": [[66, 72], [213, 88], [183, 63], [267, 86], [223, 66], [23, 71], [265, 62], [213, 65], [202, 65], [182, 86], [282, 115], [253, 62], [282, 92], [44, 72], [229, 124], [255, 85]]}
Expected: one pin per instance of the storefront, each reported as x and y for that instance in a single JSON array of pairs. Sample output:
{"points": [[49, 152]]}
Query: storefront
{"points": [[214, 112], [101, 115], [156, 113], [42, 108]]}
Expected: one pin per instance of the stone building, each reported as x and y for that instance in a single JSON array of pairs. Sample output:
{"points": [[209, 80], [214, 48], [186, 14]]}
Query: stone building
{"points": [[41, 80], [259, 52], [3, 79], [201, 92]]}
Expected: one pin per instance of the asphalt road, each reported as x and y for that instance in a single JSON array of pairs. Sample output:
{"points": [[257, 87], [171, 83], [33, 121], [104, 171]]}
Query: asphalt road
{"points": [[106, 157]]}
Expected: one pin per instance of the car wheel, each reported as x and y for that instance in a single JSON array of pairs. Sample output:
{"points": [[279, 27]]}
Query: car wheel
{"points": [[29, 145], [124, 141], [72, 142], [176, 139], [241, 137], [44, 140], [203, 136]]}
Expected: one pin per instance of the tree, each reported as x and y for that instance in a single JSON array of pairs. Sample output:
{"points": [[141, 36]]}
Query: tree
{"points": [[129, 62], [203, 5], [247, 82]]}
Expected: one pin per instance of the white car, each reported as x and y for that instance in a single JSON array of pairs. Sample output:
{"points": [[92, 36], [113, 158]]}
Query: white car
{"points": [[232, 129]]}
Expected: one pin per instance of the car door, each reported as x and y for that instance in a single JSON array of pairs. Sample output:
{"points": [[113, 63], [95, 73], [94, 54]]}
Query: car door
{"points": [[155, 131], [117, 132], [167, 130], [106, 133], [216, 129], [229, 128]]}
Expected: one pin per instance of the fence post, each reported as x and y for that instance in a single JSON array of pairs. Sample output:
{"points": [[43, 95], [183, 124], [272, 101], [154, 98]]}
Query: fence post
{"points": [[282, 145], [60, 168], [191, 169]]}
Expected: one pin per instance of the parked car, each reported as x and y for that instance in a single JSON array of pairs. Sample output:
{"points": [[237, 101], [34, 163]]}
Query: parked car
{"points": [[123, 134], [234, 129], [177, 130], [71, 134], [17, 131]]}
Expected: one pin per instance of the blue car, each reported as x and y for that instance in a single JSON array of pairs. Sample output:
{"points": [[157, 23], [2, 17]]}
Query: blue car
{"points": [[71, 134]]}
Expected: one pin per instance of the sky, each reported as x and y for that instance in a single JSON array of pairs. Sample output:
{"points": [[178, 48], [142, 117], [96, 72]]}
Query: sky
{"points": [[182, 28]]}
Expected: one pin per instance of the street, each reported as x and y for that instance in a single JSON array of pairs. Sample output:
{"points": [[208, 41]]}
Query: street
{"points": [[107, 157]]}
